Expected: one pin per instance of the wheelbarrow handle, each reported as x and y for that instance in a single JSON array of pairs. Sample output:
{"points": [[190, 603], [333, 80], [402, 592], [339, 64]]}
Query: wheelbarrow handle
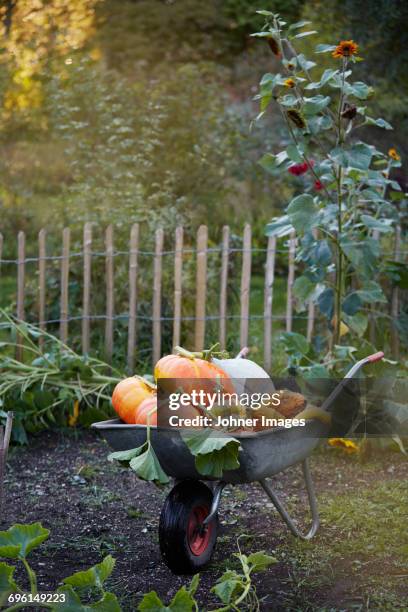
{"points": [[350, 374]]}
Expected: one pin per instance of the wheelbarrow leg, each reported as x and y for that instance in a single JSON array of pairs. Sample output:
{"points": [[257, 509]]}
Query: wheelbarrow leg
{"points": [[284, 513], [216, 501]]}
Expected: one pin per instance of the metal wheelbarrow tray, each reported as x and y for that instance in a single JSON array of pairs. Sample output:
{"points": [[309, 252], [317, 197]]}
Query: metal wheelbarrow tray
{"points": [[189, 518]]}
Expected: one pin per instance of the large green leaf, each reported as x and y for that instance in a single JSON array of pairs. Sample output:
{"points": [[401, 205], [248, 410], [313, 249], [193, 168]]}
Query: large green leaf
{"points": [[7, 584], [325, 78], [214, 452], [357, 323], [382, 123], [359, 156], [126, 455], [303, 213], [279, 226], [147, 466], [295, 344], [183, 601], [381, 225], [227, 585], [94, 576], [19, 540], [371, 292], [358, 89], [313, 106], [303, 288], [260, 561]]}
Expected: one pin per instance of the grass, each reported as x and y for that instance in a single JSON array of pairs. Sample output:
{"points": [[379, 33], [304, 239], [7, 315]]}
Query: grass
{"points": [[360, 556]]}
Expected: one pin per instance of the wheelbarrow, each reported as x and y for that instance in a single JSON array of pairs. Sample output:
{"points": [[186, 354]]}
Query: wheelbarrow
{"points": [[189, 517]]}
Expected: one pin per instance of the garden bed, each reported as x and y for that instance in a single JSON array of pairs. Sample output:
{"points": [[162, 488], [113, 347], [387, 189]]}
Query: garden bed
{"points": [[94, 508]]}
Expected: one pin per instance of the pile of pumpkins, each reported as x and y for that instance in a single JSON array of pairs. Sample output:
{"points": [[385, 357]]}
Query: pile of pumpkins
{"points": [[135, 399]]}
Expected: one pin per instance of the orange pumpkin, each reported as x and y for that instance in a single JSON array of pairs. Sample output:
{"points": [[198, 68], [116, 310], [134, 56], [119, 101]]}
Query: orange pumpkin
{"points": [[187, 367], [128, 395], [148, 405]]}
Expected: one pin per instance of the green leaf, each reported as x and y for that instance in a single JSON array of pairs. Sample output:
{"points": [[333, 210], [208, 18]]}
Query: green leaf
{"points": [[298, 24], [151, 602], [279, 226], [315, 105], [295, 344], [351, 305], [303, 288], [268, 162], [381, 225], [325, 78], [19, 540], [226, 587], [294, 154], [93, 577], [324, 48], [303, 34], [325, 302], [183, 601], [7, 584], [147, 467], [214, 452], [302, 212], [358, 156], [371, 292], [260, 561], [359, 90], [379, 123], [304, 63], [126, 455], [357, 323]]}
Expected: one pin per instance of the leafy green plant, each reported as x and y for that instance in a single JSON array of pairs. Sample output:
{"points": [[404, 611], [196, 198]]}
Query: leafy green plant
{"points": [[235, 588], [345, 206], [52, 383], [16, 543]]}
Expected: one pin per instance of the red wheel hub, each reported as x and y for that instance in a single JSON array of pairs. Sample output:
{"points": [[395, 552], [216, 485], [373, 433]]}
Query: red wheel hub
{"points": [[198, 537]]}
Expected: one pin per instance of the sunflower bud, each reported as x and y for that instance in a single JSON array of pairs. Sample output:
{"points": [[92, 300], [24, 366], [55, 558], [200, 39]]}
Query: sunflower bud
{"points": [[273, 45], [296, 117], [349, 111]]}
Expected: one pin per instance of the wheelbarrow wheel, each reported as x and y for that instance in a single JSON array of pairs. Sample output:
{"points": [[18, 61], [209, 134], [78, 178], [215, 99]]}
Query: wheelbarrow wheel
{"points": [[186, 545]]}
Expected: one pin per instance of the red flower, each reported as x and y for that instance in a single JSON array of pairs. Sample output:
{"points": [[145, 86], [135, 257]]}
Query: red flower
{"points": [[318, 185], [299, 169]]}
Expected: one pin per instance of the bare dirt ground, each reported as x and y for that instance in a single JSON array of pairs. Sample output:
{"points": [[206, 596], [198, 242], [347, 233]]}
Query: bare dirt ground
{"points": [[94, 508]]}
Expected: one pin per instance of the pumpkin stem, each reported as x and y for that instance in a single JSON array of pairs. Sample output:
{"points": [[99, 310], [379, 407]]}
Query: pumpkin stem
{"points": [[179, 350], [206, 354]]}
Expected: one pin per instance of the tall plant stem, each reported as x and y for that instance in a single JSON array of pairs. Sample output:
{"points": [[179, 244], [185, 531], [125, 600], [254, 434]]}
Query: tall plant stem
{"points": [[340, 259]]}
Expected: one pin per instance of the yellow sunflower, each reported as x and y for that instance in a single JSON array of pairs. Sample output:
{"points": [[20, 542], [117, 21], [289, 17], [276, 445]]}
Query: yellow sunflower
{"points": [[348, 445], [345, 48], [394, 154], [290, 83]]}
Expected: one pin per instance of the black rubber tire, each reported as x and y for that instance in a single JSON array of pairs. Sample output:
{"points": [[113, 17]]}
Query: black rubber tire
{"points": [[177, 536]]}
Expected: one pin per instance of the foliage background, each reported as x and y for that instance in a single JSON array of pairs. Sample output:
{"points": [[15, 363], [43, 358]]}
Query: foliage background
{"points": [[138, 110]]}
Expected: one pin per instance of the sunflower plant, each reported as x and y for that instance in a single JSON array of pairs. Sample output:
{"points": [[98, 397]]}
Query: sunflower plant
{"points": [[344, 206]]}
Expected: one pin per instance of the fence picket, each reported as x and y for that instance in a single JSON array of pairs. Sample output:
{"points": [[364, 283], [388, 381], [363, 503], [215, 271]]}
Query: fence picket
{"points": [[86, 302], [245, 285], [291, 279], [157, 279], [395, 344], [224, 287], [201, 291], [20, 286], [110, 292], [64, 302], [41, 281], [268, 300], [178, 281], [134, 245]]}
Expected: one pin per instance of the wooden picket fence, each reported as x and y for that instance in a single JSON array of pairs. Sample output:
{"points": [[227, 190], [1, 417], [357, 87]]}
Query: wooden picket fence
{"points": [[201, 316]]}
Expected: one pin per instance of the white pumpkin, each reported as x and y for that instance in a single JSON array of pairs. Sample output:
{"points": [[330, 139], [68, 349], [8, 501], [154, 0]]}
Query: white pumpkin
{"points": [[240, 370]]}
